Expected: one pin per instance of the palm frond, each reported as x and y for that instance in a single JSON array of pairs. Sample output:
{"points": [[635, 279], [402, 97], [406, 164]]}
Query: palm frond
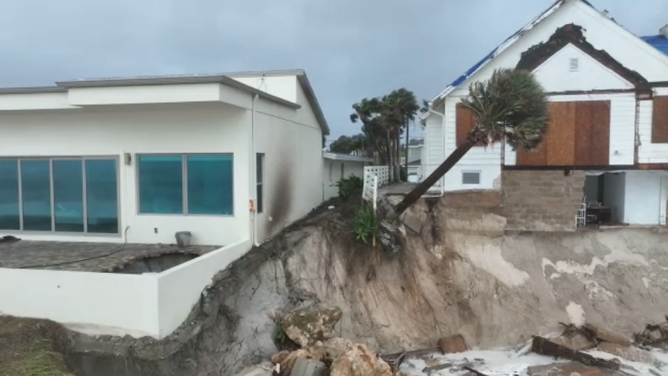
{"points": [[510, 106]]}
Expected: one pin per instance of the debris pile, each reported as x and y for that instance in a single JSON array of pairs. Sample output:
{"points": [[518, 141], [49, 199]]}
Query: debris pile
{"points": [[320, 353], [579, 350]]}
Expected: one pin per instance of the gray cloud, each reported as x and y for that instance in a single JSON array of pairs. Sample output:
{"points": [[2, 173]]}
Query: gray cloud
{"points": [[351, 49]]}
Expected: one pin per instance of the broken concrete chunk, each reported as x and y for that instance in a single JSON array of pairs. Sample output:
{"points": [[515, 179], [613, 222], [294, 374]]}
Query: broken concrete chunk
{"points": [[308, 367], [454, 344], [608, 335], [359, 361], [307, 326], [335, 347], [412, 222], [564, 369]]}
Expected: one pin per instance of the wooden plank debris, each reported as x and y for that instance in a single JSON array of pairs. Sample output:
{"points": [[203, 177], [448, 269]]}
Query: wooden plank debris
{"points": [[544, 346]]}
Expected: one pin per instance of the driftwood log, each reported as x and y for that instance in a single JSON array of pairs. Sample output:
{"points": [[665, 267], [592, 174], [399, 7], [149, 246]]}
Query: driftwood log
{"points": [[544, 346]]}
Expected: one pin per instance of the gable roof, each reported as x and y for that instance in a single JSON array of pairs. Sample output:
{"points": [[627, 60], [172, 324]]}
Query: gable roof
{"points": [[502, 47], [572, 34], [657, 41], [506, 44]]}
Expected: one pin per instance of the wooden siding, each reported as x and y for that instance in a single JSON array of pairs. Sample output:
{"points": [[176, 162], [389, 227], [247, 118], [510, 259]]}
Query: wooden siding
{"points": [[578, 134], [660, 120]]}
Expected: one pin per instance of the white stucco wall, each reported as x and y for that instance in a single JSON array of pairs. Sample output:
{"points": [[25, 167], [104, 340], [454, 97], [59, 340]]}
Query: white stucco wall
{"points": [[175, 129], [114, 304], [180, 287], [614, 193], [94, 303], [284, 87], [643, 197], [332, 174], [292, 143]]}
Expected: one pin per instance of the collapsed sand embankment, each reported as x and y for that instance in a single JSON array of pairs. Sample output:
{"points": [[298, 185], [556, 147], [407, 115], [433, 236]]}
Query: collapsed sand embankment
{"points": [[460, 274]]}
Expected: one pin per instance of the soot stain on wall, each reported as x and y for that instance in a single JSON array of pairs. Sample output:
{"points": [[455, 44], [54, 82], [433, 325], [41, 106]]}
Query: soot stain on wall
{"points": [[281, 197]]}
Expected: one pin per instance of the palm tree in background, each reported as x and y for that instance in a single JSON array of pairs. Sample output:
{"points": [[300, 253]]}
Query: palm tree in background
{"points": [[383, 122], [511, 106]]}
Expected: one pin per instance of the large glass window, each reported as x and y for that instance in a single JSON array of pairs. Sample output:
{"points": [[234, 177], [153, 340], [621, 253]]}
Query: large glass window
{"points": [[68, 195], [161, 184], [36, 195], [56, 194], [186, 184], [9, 195], [101, 196]]}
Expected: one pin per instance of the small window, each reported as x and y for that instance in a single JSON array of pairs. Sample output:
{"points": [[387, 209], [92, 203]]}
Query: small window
{"points": [[471, 178], [342, 170], [259, 167], [574, 64]]}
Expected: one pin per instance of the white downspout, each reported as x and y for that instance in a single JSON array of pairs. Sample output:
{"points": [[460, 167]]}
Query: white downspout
{"points": [[253, 175]]}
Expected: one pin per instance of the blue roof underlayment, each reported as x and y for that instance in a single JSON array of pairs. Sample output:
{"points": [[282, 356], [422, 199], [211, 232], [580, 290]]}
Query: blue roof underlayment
{"points": [[658, 41]]}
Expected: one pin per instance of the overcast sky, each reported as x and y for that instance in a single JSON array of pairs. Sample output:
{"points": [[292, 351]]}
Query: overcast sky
{"points": [[350, 49]]}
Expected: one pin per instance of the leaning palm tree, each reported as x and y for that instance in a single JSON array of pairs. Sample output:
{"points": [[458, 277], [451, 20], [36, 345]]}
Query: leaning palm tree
{"points": [[511, 106]]}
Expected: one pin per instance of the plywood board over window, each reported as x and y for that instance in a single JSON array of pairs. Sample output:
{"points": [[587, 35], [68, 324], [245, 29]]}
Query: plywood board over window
{"points": [[592, 133], [465, 124], [660, 121], [578, 134]]}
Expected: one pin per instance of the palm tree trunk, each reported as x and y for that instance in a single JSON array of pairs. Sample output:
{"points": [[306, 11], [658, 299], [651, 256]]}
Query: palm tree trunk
{"points": [[398, 156], [389, 153], [424, 186], [407, 141]]}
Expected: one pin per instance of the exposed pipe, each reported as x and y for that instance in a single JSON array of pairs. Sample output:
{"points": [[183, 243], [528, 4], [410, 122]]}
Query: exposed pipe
{"points": [[253, 174]]}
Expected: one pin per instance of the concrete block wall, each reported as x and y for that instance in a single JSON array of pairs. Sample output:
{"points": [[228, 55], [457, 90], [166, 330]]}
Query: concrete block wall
{"points": [[541, 200]]}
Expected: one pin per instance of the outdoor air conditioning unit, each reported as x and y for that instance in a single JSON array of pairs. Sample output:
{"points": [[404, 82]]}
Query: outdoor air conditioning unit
{"points": [[664, 31]]}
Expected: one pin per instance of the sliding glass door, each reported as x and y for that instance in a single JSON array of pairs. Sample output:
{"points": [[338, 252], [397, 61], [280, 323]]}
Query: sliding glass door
{"points": [[74, 195]]}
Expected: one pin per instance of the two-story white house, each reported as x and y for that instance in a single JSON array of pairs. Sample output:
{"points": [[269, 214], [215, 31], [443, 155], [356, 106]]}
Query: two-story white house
{"points": [[608, 90]]}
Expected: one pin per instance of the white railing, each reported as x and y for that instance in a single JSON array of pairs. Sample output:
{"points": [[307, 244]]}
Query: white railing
{"points": [[374, 178]]}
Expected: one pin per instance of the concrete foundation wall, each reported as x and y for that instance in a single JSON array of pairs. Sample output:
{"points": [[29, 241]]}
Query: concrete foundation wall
{"points": [[541, 200]]}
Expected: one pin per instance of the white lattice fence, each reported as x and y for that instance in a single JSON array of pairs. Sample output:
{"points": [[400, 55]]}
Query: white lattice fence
{"points": [[374, 178]]}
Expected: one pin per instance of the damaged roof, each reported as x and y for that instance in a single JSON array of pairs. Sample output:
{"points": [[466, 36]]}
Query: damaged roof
{"points": [[659, 42], [500, 48], [573, 34]]}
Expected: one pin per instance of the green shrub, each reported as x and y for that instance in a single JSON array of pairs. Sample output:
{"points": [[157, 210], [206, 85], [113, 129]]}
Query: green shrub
{"points": [[280, 336], [365, 223], [350, 187]]}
